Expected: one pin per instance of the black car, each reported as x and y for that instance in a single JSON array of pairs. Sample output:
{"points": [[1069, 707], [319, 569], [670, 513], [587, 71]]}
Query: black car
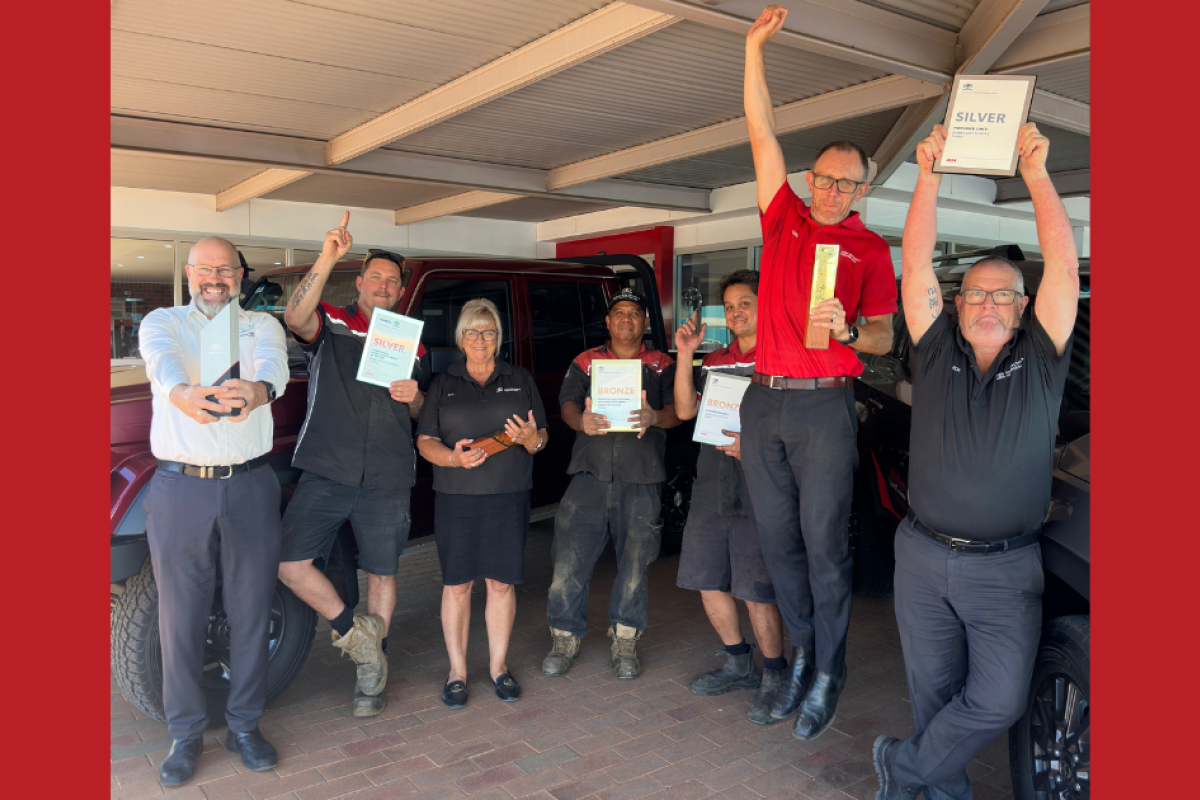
{"points": [[1049, 746]]}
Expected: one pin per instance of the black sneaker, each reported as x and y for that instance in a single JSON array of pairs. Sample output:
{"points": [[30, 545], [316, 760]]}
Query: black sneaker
{"points": [[507, 688], [454, 695]]}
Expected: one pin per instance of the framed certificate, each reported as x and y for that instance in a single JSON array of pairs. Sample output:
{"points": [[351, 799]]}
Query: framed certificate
{"points": [[982, 121], [720, 408], [617, 390], [391, 348]]}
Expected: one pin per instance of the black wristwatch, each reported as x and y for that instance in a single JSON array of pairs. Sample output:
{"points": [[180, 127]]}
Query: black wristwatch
{"points": [[853, 335], [270, 391]]}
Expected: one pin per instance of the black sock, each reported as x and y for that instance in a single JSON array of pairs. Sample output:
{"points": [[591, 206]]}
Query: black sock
{"points": [[344, 621], [383, 644], [737, 649], [775, 663]]}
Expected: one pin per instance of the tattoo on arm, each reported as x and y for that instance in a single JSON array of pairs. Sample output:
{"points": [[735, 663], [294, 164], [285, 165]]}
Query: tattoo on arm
{"points": [[935, 302], [414, 407], [302, 289]]}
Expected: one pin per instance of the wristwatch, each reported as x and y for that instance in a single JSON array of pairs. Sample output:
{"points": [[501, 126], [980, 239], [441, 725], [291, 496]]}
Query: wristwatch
{"points": [[270, 391], [853, 335]]}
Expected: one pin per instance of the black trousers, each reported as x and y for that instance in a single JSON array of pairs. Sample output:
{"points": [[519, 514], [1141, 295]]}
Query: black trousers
{"points": [[969, 627], [192, 524], [590, 512], [799, 454]]}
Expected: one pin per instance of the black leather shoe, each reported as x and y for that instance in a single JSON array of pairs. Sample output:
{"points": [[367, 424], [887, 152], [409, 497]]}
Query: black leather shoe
{"points": [[258, 755], [507, 688], [889, 787], [820, 705], [795, 685], [180, 764], [454, 694]]}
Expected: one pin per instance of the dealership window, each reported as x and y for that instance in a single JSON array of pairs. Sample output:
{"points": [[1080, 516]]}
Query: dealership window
{"points": [[142, 279], [702, 273]]}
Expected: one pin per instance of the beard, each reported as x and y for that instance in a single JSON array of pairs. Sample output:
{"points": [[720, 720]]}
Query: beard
{"points": [[210, 308]]}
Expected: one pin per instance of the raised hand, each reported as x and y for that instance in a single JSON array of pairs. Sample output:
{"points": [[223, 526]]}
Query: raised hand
{"points": [[593, 424], [687, 338], [930, 148], [644, 418], [1032, 149], [338, 241], [767, 25]]}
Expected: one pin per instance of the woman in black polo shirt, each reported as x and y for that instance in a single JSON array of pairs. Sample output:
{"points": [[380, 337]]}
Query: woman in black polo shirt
{"points": [[481, 511]]}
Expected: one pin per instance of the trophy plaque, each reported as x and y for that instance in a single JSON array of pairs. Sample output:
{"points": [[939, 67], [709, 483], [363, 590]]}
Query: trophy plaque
{"points": [[825, 264], [219, 353], [493, 443]]}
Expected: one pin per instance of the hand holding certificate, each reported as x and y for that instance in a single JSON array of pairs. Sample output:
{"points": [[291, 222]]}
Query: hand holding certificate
{"points": [[720, 409], [391, 348], [982, 122], [616, 392]]}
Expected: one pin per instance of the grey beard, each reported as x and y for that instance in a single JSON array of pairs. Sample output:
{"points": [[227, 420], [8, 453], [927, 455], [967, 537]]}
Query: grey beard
{"points": [[209, 308]]}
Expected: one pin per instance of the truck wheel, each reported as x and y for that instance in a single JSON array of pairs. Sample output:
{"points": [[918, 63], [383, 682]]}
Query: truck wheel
{"points": [[1049, 747], [136, 651], [676, 500], [872, 545]]}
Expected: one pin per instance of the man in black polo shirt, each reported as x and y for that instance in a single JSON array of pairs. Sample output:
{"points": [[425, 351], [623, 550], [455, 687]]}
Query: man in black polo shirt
{"points": [[986, 393], [357, 454], [616, 491]]}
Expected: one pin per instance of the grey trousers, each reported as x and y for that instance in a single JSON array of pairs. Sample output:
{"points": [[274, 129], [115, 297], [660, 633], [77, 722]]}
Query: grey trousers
{"points": [[193, 524], [969, 627]]}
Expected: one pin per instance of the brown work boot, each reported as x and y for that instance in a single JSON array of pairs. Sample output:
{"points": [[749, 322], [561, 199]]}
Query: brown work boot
{"points": [[363, 645], [625, 664], [562, 654]]}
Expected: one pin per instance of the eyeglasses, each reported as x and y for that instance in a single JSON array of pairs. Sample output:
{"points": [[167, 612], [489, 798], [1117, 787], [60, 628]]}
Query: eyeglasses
{"points": [[1001, 297], [844, 185], [472, 335], [395, 258], [206, 272]]}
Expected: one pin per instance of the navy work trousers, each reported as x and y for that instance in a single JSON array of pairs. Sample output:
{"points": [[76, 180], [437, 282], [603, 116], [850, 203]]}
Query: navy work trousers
{"points": [[192, 524], [799, 454], [592, 511]]}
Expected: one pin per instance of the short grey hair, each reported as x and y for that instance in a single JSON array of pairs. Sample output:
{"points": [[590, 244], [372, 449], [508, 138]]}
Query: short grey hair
{"points": [[992, 261], [217, 240], [474, 312]]}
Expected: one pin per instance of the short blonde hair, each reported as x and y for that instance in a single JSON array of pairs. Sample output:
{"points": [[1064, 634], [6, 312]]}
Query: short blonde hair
{"points": [[474, 312]]}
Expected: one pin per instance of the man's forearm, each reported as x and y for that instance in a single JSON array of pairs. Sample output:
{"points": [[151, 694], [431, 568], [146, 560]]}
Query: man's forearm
{"points": [[416, 404], [874, 338], [306, 296], [686, 404], [760, 114], [1054, 233]]}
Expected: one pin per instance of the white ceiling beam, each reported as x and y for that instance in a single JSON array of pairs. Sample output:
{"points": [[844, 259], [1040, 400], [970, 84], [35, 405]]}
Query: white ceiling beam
{"points": [[468, 201], [854, 101], [263, 183], [597, 33], [273, 151], [1061, 112], [991, 29], [851, 32], [1069, 183], [1051, 38], [914, 124]]}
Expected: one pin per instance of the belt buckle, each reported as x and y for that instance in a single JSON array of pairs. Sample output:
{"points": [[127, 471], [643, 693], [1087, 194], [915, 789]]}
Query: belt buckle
{"points": [[959, 544], [228, 474], [778, 382]]}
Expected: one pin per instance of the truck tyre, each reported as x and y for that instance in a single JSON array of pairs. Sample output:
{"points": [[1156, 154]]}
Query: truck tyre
{"points": [[1050, 747], [136, 650], [872, 545], [676, 500]]}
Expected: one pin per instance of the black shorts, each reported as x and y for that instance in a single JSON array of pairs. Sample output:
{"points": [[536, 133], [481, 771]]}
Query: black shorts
{"points": [[378, 515], [721, 553]]}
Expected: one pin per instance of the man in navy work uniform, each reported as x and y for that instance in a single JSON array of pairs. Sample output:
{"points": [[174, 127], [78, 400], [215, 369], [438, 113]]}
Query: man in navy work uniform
{"points": [[615, 491], [798, 417], [721, 556], [986, 394], [213, 503], [357, 454]]}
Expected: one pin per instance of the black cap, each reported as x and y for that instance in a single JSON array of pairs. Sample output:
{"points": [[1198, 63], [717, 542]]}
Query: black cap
{"points": [[629, 296]]}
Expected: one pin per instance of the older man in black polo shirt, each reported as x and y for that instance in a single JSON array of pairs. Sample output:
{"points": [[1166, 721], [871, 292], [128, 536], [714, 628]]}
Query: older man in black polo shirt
{"points": [[616, 492], [356, 451], [986, 395]]}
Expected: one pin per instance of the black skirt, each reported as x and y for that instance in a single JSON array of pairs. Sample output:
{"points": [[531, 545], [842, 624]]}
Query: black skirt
{"points": [[481, 536]]}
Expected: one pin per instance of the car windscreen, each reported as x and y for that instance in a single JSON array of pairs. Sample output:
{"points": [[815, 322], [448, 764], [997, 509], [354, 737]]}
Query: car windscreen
{"points": [[271, 295]]}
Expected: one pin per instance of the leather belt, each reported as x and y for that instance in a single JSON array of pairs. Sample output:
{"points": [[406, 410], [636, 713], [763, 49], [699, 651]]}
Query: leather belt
{"points": [[972, 546], [782, 382], [219, 473]]}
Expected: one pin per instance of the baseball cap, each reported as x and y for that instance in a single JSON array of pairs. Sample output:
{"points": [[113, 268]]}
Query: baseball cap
{"points": [[629, 296]]}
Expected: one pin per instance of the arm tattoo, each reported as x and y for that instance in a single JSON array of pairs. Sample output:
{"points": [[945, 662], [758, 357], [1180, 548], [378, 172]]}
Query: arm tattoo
{"points": [[935, 302], [414, 406], [302, 289]]}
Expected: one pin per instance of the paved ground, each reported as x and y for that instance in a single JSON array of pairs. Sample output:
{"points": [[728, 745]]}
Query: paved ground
{"points": [[586, 735]]}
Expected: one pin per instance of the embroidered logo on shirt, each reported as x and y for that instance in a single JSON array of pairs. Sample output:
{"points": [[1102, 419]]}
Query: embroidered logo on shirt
{"points": [[796, 234], [851, 256], [956, 369], [1016, 366], [514, 389]]}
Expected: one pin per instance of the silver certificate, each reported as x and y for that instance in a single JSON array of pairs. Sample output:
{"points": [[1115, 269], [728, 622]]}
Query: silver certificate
{"points": [[984, 116]]}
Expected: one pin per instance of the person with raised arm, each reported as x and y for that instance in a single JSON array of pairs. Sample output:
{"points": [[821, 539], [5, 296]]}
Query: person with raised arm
{"points": [[799, 424], [987, 386], [356, 450]]}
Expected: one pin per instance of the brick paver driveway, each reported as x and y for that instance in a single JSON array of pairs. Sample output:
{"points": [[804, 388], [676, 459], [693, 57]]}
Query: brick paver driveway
{"points": [[585, 735]]}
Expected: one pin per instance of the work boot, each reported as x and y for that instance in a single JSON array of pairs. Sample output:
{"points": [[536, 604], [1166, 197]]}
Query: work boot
{"points": [[889, 787], [738, 672], [625, 664], [760, 706], [793, 687], [820, 705], [562, 654], [363, 645]]}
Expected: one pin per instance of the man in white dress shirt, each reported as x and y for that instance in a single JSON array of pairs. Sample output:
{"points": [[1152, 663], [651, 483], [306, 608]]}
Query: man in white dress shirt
{"points": [[213, 499]]}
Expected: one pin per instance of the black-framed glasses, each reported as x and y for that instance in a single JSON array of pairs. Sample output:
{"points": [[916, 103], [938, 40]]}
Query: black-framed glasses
{"points": [[1001, 297], [472, 335], [844, 185], [395, 258], [207, 271]]}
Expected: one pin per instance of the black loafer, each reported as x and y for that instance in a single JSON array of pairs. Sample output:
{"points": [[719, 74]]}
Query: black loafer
{"points": [[180, 764], [258, 755], [507, 688], [454, 695]]}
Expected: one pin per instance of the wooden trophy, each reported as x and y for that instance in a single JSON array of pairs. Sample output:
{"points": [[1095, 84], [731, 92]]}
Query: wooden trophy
{"points": [[825, 264], [493, 443]]}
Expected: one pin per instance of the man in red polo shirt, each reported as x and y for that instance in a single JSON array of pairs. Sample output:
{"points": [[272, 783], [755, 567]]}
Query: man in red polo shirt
{"points": [[798, 417]]}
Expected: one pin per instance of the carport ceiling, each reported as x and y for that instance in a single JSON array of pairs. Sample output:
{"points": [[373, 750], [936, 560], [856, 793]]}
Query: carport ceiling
{"points": [[518, 109]]}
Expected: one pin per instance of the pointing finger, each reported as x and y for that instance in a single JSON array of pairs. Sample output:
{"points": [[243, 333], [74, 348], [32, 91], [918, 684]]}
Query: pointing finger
{"points": [[345, 219]]}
